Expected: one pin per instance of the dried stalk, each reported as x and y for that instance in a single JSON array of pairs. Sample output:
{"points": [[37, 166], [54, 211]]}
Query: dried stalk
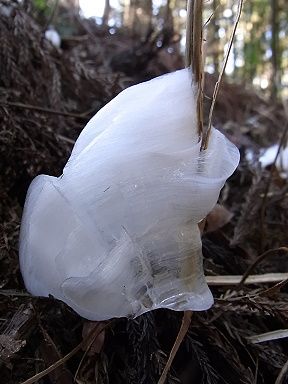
{"points": [[252, 279], [91, 341], [268, 336], [92, 336], [194, 56], [181, 334], [15, 104], [281, 377], [205, 140], [194, 61], [258, 260]]}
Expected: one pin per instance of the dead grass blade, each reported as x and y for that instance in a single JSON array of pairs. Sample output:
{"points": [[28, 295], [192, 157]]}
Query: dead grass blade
{"points": [[98, 326], [194, 55], [281, 377], [258, 260], [268, 336], [182, 332], [253, 279], [205, 140], [81, 116], [94, 333]]}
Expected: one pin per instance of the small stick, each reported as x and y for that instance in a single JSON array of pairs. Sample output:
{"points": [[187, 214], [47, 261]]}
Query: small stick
{"points": [[181, 334], [205, 140], [258, 260], [282, 374], [256, 372], [268, 336], [252, 279], [274, 289], [42, 109], [194, 56], [52, 367], [93, 338]]}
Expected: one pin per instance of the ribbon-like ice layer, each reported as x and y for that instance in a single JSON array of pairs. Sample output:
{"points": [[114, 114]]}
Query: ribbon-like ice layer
{"points": [[117, 234]]}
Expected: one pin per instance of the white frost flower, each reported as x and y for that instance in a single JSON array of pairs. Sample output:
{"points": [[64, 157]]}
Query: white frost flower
{"points": [[53, 36], [117, 234]]}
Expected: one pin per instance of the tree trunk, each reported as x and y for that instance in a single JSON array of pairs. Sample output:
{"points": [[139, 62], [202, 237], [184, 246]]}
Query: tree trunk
{"points": [[169, 22], [106, 13], [275, 49]]}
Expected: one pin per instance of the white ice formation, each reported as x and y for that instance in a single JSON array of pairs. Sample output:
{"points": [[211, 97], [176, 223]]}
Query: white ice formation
{"points": [[53, 36], [117, 233], [268, 157]]}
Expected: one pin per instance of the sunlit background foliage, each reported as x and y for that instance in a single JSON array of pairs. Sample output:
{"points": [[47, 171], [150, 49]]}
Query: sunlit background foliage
{"points": [[260, 51]]}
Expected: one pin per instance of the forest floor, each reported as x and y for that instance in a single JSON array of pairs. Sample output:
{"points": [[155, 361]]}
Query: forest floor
{"points": [[46, 97]]}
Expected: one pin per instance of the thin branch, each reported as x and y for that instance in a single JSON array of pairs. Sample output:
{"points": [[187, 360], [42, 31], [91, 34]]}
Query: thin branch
{"points": [[205, 140], [274, 289], [93, 338], [210, 18], [182, 333], [281, 377], [256, 371], [258, 260], [60, 362], [194, 56], [252, 279], [81, 116], [268, 336]]}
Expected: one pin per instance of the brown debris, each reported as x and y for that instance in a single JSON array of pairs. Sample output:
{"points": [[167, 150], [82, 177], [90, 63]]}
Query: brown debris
{"points": [[217, 218]]}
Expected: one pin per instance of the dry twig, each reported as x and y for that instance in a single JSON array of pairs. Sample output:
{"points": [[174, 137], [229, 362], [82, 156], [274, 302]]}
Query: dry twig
{"points": [[194, 59], [92, 335], [82, 116], [282, 374], [217, 85], [194, 56], [258, 260], [253, 279], [268, 336], [182, 332]]}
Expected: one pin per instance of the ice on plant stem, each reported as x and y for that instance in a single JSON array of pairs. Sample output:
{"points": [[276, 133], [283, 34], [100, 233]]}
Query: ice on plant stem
{"points": [[117, 233]]}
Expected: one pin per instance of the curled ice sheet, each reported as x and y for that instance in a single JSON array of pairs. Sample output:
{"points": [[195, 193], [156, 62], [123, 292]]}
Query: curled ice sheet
{"points": [[117, 234]]}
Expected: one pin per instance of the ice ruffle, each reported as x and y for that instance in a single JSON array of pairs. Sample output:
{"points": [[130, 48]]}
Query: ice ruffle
{"points": [[117, 233]]}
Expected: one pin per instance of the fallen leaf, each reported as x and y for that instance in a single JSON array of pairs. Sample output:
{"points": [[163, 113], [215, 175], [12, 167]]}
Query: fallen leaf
{"points": [[98, 342], [217, 218]]}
